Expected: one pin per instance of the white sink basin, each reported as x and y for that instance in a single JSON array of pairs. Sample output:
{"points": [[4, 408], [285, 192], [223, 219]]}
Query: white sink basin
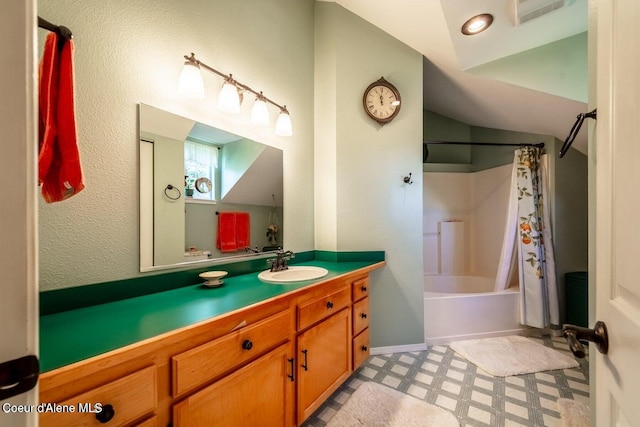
{"points": [[293, 274]]}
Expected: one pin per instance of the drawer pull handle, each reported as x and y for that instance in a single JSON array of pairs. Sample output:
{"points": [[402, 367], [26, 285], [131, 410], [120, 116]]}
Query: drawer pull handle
{"points": [[363, 315], [247, 345], [364, 289], [305, 365], [329, 304], [364, 348], [106, 414], [292, 369]]}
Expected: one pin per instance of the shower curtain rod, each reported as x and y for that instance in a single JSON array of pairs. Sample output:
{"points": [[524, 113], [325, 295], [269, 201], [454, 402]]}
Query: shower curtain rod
{"points": [[539, 145]]}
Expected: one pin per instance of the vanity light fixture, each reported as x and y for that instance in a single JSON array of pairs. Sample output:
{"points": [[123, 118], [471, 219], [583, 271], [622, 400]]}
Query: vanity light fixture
{"points": [[229, 98], [190, 83], [477, 24], [283, 124], [260, 111], [231, 94]]}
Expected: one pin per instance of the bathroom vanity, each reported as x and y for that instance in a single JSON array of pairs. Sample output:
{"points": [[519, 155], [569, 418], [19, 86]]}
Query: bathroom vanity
{"points": [[248, 353]]}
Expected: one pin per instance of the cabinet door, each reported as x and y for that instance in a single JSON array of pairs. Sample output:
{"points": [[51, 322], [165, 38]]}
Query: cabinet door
{"points": [[324, 355], [260, 394]]}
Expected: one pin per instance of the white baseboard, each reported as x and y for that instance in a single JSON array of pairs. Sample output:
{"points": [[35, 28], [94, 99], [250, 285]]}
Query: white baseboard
{"points": [[398, 348]]}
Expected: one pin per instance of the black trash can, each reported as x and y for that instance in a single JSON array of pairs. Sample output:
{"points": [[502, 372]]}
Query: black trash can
{"points": [[577, 298]]}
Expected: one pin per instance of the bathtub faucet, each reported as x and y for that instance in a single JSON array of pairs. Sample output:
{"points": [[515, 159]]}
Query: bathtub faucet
{"points": [[279, 263]]}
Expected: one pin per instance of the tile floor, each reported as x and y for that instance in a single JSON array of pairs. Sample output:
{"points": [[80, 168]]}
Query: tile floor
{"points": [[441, 377]]}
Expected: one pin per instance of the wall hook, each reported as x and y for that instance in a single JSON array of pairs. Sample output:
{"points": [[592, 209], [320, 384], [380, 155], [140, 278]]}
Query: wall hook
{"points": [[407, 179]]}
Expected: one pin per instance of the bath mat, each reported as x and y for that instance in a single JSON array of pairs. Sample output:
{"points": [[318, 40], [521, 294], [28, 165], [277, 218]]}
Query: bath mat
{"points": [[512, 355], [373, 404], [574, 413]]}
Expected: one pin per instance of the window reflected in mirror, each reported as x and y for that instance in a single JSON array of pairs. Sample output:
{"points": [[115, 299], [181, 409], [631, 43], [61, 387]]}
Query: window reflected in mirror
{"points": [[200, 169]]}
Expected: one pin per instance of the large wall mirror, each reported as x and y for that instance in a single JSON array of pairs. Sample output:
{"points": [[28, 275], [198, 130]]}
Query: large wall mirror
{"points": [[200, 187]]}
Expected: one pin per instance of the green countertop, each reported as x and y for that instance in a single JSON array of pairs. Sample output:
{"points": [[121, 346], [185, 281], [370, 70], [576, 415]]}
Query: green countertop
{"points": [[75, 335]]}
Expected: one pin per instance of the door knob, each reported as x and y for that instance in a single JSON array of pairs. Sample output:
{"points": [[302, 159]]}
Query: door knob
{"points": [[597, 335]]}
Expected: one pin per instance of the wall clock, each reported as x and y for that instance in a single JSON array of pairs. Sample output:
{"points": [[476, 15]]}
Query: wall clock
{"points": [[381, 101]]}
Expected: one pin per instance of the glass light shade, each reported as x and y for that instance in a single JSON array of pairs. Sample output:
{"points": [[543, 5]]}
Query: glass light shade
{"points": [[283, 124], [260, 113], [229, 100], [190, 82]]}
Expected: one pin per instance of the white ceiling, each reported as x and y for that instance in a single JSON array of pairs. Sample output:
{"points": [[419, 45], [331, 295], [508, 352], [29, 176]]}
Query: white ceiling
{"points": [[434, 30]]}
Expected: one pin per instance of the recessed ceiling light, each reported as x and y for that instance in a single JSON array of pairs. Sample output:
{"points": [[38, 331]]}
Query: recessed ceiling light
{"points": [[477, 24]]}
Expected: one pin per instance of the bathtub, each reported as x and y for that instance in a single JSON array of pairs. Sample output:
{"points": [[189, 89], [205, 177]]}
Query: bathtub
{"points": [[467, 307]]}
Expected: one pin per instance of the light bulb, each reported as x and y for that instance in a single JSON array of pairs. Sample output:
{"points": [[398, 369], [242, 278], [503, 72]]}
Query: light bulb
{"points": [[477, 24], [229, 100], [190, 82], [283, 124], [260, 112]]}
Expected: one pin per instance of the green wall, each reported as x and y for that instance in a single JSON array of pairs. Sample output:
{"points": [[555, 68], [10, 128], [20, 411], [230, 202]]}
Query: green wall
{"points": [[470, 158], [343, 187], [131, 52], [361, 201], [569, 177], [558, 68]]}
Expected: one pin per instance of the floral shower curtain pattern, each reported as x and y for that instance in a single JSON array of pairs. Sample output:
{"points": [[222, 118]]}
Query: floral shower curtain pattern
{"points": [[538, 287]]}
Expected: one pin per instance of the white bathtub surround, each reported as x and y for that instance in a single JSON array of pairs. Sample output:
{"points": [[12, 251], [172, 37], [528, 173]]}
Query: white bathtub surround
{"points": [[479, 201], [467, 307], [452, 247], [529, 214]]}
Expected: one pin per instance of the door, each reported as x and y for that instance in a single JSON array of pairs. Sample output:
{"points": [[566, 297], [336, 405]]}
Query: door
{"points": [[18, 226], [617, 210]]}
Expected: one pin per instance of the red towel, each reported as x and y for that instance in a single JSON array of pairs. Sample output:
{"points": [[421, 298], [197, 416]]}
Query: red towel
{"points": [[226, 240], [59, 169], [234, 231], [243, 230]]}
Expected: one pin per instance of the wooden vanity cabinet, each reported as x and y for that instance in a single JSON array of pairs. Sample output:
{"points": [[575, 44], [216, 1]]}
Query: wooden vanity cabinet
{"points": [[119, 402], [269, 364], [361, 316], [138, 379], [200, 365], [253, 381], [333, 339], [259, 394], [151, 422]]}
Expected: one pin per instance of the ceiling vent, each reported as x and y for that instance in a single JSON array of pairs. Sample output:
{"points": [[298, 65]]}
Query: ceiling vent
{"points": [[526, 10]]}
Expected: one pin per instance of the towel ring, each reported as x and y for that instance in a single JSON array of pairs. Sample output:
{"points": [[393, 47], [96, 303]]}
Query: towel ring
{"points": [[170, 187]]}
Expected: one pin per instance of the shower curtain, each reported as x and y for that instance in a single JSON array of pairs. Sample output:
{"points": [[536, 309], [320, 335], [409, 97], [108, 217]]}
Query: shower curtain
{"points": [[529, 229]]}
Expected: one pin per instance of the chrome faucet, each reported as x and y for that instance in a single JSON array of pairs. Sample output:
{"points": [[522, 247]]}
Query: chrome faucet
{"points": [[279, 263]]}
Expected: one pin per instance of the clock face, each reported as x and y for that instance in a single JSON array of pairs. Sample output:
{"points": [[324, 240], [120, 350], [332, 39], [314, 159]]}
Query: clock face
{"points": [[382, 101]]}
